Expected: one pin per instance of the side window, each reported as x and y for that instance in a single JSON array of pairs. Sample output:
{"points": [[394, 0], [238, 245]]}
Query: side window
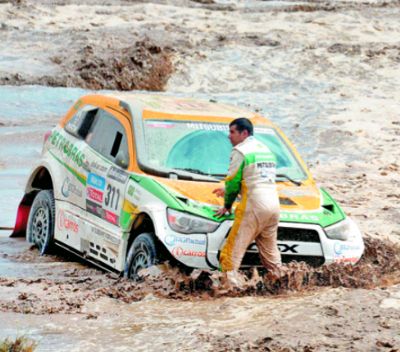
{"points": [[81, 122], [108, 137]]}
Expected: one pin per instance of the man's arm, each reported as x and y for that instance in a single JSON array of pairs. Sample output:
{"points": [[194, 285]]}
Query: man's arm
{"points": [[233, 179]]}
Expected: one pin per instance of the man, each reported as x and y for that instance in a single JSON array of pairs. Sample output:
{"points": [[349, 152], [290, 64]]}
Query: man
{"points": [[252, 172]]}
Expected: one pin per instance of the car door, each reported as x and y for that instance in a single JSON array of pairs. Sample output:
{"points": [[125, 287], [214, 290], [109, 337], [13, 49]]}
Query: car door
{"points": [[108, 153], [72, 181], [68, 149]]}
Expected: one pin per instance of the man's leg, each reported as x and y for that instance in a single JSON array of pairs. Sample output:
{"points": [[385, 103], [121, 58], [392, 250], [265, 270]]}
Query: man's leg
{"points": [[241, 235], [267, 243]]}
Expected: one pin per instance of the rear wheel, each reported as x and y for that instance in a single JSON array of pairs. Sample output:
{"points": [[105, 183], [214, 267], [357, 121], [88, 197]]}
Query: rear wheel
{"points": [[142, 254], [40, 229]]}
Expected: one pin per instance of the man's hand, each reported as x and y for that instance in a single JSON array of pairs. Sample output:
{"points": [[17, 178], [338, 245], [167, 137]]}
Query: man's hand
{"points": [[221, 212], [219, 192]]}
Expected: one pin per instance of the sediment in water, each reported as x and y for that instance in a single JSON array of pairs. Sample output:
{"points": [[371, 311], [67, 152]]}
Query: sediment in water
{"points": [[379, 266]]}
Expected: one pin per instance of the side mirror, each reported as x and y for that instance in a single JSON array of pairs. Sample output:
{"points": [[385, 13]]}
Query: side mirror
{"points": [[122, 159]]}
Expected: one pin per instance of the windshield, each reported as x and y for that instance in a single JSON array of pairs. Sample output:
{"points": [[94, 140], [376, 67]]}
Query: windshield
{"points": [[204, 148]]}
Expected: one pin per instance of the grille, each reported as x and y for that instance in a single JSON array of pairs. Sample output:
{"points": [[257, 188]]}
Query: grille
{"points": [[295, 234], [253, 259]]}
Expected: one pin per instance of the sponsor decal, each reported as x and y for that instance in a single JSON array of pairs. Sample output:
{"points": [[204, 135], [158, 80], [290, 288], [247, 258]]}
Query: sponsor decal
{"points": [[346, 260], [171, 240], [107, 237], [342, 248], [161, 124], [180, 252], [287, 248], [267, 170], [66, 221], [135, 193], [97, 210], [96, 181], [294, 192], [94, 208], [111, 217], [69, 188], [298, 217], [67, 148], [207, 126], [131, 190], [98, 167], [117, 174], [94, 194], [265, 164]]}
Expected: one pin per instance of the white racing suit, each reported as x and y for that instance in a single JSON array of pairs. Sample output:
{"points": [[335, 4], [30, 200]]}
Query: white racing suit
{"points": [[252, 172]]}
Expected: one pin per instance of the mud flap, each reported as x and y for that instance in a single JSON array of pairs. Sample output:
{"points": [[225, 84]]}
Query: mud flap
{"points": [[23, 214]]}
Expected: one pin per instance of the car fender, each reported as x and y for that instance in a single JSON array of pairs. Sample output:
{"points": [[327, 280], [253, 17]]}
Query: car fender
{"points": [[37, 168], [29, 195], [155, 212]]}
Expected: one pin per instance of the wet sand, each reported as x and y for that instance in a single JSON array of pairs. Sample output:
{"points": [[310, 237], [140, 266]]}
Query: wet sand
{"points": [[327, 72]]}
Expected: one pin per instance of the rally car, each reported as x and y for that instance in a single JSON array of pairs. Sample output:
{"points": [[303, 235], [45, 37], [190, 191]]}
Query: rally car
{"points": [[126, 181]]}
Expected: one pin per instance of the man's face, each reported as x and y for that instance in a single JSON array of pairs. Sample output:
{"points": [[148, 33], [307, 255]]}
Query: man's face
{"points": [[237, 137]]}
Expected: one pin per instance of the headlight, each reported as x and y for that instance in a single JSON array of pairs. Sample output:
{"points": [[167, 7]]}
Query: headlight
{"points": [[341, 231], [185, 223]]}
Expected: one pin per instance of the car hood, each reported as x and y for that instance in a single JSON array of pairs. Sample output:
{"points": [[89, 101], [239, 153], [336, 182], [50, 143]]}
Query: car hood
{"points": [[301, 198], [299, 204]]}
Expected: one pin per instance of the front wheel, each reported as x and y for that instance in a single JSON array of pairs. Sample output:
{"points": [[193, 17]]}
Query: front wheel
{"points": [[142, 254], [40, 229]]}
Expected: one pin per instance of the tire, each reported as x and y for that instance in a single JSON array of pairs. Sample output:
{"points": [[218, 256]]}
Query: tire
{"points": [[40, 229], [142, 254]]}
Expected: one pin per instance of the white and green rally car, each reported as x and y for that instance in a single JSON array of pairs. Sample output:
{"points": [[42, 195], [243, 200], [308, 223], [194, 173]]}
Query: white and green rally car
{"points": [[126, 181]]}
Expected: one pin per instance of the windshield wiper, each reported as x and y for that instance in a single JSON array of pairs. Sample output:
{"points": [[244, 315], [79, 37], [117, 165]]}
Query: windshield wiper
{"points": [[297, 183], [195, 171]]}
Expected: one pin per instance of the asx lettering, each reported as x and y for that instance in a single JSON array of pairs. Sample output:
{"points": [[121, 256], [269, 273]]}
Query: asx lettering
{"points": [[285, 248]]}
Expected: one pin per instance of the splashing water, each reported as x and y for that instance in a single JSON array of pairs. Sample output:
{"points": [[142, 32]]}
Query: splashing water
{"points": [[380, 266]]}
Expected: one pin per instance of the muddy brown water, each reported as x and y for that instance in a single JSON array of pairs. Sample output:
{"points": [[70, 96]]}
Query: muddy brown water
{"points": [[326, 72], [65, 304]]}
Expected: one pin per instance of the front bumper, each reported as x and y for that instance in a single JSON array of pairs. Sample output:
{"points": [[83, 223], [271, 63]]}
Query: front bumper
{"points": [[300, 242], [296, 241]]}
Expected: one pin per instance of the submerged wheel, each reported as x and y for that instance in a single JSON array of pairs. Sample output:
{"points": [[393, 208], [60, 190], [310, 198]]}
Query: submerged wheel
{"points": [[142, 254], [40, 229]]}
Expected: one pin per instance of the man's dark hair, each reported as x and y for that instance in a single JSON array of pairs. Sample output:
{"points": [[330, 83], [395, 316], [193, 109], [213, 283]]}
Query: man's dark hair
{"points": [[242, 124]]}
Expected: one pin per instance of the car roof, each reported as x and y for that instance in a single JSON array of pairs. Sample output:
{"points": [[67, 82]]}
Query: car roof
{"points": [[170, 107]]}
